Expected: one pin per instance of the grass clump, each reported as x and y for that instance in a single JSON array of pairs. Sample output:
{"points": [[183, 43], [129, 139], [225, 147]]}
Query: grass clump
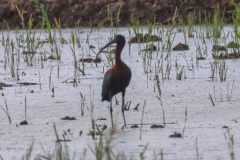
{"points": [[41, 8], [82, 103], [135, 25], [218, 23], [236, 21], [223, 71]]}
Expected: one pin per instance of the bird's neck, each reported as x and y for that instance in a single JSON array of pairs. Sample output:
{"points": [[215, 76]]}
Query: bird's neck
{"points": [[118, 51]]}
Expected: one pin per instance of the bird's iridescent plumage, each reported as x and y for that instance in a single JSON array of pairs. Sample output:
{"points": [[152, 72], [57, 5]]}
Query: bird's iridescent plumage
{"points": [[118, 77]]}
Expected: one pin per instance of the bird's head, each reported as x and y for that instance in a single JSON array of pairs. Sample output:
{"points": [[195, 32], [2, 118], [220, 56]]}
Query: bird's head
{"points": [[119, 39]]}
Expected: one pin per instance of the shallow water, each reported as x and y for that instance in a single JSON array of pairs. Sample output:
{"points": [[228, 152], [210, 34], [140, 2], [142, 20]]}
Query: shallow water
{"points": [[204, 121]]}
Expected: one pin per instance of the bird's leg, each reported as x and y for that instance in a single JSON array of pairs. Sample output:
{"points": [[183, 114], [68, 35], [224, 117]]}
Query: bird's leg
{"points": [[111, 111], [123, 94]]}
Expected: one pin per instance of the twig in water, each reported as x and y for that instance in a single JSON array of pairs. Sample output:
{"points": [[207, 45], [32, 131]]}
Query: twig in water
{"points": [[129, 105], [136, 108], [211, 99]]}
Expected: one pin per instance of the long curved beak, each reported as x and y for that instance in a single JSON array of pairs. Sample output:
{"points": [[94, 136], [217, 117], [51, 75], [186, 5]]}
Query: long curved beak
{"points": [[110, 43]]}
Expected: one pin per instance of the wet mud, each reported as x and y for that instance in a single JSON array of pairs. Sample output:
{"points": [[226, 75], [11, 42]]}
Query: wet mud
{"points": [[70, 11]]}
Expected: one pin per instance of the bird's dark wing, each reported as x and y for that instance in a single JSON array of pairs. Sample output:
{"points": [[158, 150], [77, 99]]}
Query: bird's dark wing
{"points": [[107, 84]]}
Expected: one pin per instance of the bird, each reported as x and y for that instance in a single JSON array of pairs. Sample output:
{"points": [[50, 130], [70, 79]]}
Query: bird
{"points": [[117, 78]]}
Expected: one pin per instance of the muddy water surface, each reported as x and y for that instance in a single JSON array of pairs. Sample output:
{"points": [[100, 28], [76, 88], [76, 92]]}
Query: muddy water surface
{"points": [[204, 121]]}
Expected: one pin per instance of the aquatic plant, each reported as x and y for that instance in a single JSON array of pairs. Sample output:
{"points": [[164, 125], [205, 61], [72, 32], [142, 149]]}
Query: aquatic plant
{"points": [[82, 103], [236, 21], [159, 97], [135, 25], [7, 112], [218, 23]]}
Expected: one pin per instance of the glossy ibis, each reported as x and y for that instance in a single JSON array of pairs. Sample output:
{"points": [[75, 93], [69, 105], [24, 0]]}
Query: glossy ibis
{"points": [[118, 77]]}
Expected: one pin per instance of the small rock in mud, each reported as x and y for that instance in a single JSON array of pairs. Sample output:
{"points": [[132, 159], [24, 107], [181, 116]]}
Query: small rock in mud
{"points": [[181, 47], [219, 48], [175, 135], [232, 45], [150, 48], [139, 38], [225, 127], [24, 123], [134, 126], [90, 60], [91, 46], [68, 118], [156, 126], [52, 57]]}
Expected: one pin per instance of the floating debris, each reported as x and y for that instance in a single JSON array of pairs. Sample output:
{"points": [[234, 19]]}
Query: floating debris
{"points": [[226, 56], [90, 60], [69, 118], [219, 48], [176, 135], [27, 84], [156, 126], [5, 85], [139, 38], [181, 47], [24, 123], [100, 119], [63, 140], [201, 58], [28, 52], [134, 126]]}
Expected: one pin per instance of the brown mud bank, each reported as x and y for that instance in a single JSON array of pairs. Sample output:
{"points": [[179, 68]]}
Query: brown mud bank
{"points": [[95, 12]]}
